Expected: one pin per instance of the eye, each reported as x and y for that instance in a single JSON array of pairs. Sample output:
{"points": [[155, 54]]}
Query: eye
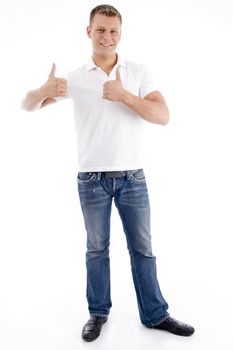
{"points": [[100, 30]]}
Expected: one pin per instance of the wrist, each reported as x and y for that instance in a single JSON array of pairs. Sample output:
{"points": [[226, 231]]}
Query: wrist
{"points": [[124, 96], [127, 98], [43, 92]]}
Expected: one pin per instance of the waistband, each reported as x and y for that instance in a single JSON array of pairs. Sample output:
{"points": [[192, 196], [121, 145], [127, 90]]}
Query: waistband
{"points": [[112, 174]]}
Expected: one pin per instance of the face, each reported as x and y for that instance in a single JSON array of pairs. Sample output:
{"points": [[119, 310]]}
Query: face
{"points": [[105, 33]]}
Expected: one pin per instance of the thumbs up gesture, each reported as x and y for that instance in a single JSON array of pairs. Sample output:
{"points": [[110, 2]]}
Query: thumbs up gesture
{"points": [[113, 90], [55, 87], [53, 70]]}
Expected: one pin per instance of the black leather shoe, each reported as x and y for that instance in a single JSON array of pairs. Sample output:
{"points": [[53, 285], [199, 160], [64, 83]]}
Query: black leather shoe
{"points": [[174, 326], [92, 328]]}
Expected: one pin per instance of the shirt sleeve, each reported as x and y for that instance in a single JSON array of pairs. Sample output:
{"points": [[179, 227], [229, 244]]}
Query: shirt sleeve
{"points": [[147, 82]]}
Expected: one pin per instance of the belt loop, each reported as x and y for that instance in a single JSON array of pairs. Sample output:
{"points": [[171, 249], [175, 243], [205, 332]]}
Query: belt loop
{"points": [[99, 175]]}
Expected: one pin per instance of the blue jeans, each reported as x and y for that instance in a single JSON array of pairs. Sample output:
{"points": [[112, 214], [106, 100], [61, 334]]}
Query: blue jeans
{"points": [[131, 199]]}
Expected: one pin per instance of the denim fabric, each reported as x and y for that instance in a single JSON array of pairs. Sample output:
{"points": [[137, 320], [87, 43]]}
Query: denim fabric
{"points": [[131, 199]]}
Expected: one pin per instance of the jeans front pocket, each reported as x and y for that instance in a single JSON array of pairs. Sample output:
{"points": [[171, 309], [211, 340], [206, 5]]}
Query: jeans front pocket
{"points": [[138, 176], [85, 177]]}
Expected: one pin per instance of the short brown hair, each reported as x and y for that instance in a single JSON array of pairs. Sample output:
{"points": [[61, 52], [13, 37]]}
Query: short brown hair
{"points": [[106, 10]]}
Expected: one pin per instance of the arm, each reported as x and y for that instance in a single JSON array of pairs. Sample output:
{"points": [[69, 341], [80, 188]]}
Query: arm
{"points": [[152, 107], [36, 99], [45, 95]]}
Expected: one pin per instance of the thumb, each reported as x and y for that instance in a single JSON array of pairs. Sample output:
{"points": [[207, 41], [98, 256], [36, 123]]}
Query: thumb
{"points": [[52, 73], [118, 77]]}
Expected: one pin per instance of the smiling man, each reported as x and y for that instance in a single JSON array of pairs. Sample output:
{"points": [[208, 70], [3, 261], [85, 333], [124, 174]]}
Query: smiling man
{"points": [[112, 98]]}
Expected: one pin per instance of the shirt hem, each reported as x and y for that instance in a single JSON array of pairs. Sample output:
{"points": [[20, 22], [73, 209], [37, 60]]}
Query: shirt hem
{"points": [[111, 168]]}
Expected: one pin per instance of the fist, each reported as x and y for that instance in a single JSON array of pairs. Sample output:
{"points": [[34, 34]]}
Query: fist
{"points": [[113, 89], [55, 87]]}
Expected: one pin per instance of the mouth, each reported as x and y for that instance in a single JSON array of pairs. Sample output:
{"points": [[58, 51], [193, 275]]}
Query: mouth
{"points": [[106, 45]]}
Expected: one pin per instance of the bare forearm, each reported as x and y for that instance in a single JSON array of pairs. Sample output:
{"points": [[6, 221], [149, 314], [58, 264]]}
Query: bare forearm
{"points": [[34, 99], [152, 111]]}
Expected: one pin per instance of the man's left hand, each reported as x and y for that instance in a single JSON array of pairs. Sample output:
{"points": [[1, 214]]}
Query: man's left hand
{"points": [[113, 90]]}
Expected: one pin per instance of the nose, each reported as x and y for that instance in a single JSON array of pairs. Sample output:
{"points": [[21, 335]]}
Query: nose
{"points": [[107, 36]]}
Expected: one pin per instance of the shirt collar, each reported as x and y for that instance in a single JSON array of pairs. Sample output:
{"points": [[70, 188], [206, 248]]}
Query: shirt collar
{"points": [[91, 65]]}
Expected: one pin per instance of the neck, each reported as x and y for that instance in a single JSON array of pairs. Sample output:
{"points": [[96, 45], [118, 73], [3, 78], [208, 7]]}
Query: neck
{"points": [[106, 63]]}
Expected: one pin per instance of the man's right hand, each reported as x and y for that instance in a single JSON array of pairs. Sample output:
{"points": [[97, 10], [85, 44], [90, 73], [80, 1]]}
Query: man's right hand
{"points": [[46, 94], [54, 87]]}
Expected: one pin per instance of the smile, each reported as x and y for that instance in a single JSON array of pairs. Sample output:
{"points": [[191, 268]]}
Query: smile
{"points": [[105, 45]]}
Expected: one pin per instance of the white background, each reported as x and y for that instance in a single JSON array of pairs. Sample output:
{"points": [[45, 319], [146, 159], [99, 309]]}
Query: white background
{"points": [[188, 165]]}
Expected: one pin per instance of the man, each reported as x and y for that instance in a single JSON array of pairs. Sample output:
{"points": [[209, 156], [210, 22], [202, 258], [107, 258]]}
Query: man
{"points": [[111, 98]]}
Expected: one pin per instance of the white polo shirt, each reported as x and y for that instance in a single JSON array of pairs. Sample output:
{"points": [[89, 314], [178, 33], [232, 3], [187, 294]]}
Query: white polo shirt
{"points": [[109, 134]]}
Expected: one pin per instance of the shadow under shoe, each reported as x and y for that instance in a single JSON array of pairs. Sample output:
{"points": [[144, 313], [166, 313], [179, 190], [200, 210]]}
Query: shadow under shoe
{"points": [[92, 328]]}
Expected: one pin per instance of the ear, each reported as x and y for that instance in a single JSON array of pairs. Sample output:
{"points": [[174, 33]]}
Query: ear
{"points": [[89, 32]]}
